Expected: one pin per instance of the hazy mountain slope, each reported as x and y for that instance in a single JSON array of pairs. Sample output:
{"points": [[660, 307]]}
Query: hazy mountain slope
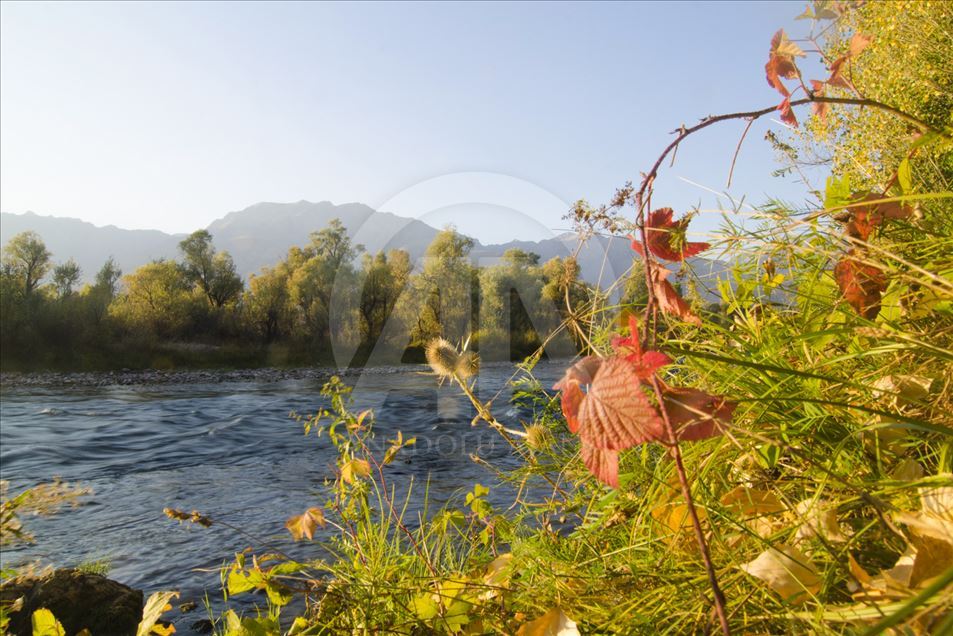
{"points": [[261, 234], [89, 244]]}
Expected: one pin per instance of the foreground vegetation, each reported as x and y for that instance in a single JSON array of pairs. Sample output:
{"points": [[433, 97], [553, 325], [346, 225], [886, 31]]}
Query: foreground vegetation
{"points": [[788, 471]]}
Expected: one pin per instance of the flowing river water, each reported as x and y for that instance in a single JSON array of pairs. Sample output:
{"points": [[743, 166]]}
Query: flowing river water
{"points": [[223, 444]]}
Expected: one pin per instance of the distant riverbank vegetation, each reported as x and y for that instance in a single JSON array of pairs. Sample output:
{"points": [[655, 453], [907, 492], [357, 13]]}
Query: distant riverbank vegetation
{"points": [[197, 311]]}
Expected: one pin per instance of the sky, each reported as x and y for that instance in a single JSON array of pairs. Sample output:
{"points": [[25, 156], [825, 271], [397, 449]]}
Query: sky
{"points": [[495, 117]]}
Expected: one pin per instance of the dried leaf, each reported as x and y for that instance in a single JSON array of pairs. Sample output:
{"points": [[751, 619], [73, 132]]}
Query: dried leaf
{"points": [[695, 414], [552, 623], [863, 219], [676, 518], [603, 464], [668, 299], [666, 238], [818, 519], [615, 414], [761, 510], [786, 571], [861, 284], [305, 524]]}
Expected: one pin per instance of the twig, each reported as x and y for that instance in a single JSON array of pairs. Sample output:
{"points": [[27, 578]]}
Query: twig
{"points": [[731, 171]]}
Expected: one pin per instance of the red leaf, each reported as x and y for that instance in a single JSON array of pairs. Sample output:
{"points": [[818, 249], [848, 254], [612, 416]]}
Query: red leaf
{"points": [[603, 464], [861, 284], [630, 349], [580, 373], [668, 299], [666, 238], [864, 218], [836, 79], [695, 414], [787, 113], [858, 43], [781, 61], [615, 414], [819, 108]]}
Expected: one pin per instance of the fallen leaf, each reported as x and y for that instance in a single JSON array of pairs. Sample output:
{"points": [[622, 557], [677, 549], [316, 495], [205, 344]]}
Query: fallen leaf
{"points": [[305, 524], [818, 519], [45, 624], [786, 571], [760, 510], [552, 623]]}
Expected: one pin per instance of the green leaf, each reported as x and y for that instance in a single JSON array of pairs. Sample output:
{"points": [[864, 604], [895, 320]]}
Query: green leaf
{"points": [[837, 193], [424, 607], [156, 604], [238, 582]]}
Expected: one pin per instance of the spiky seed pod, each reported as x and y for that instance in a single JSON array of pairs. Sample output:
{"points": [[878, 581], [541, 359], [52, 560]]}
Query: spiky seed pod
{"points": [[468, 365], [442, 357], [537, 437]]}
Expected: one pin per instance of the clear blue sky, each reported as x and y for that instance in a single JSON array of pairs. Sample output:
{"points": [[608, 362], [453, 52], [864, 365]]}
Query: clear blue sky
{"points": [[170, 115]]}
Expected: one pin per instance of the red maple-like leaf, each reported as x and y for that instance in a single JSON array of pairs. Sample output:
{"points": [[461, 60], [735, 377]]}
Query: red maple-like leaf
{"points": [[819, 108], [858, 43], [645, 363], [694, 414], [583, 372], [863, 219], [781, 62], [668, 299], [861, 284], [666, 238], [616, 414], [787, 113], [602, 463]]}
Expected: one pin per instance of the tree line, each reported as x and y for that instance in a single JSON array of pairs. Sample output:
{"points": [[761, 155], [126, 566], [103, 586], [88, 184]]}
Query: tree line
{"points": [[326, 302]]}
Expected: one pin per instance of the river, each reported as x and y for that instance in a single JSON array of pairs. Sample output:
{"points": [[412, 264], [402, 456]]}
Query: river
{"points": [[223, 444]]}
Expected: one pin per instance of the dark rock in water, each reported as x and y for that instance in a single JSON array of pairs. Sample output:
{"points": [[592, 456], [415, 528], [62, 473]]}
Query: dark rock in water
{"points": [[78, 600], [204, 626]]}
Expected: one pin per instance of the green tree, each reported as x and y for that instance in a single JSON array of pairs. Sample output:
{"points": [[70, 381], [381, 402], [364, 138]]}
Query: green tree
{"points": [[26, 258], [442, 301], [384, 279], [213, 272], [65, 277], [267, 305]]}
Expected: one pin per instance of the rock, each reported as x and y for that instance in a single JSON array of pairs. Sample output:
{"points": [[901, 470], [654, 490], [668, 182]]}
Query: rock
{"points": [[204, 626], [78, 600]]}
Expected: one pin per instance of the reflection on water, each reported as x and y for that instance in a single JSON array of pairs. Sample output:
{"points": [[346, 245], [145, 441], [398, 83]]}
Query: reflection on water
{"points": [[227, 449]]}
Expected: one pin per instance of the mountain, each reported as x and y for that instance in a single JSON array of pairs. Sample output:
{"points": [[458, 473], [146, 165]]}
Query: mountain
{"points": [[261, 234]]}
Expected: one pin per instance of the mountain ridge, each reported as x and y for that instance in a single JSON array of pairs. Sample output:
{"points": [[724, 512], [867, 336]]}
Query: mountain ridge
{"points": [[261, 234]]}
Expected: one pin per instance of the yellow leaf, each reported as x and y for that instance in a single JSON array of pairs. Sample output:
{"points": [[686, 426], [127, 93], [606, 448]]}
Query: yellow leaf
{"points": [[45, 624], [497, 575], [355, 468], [552, 623], [761, 509], [305, 524], [156, 604], [786, 571], [676, 518]]}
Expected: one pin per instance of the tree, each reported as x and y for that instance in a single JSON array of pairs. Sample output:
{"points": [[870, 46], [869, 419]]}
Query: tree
{"points": [[267, 304], [213, 272], [65, 276], [156, 300], [443, 294], [26, 258], [384, 278]]}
